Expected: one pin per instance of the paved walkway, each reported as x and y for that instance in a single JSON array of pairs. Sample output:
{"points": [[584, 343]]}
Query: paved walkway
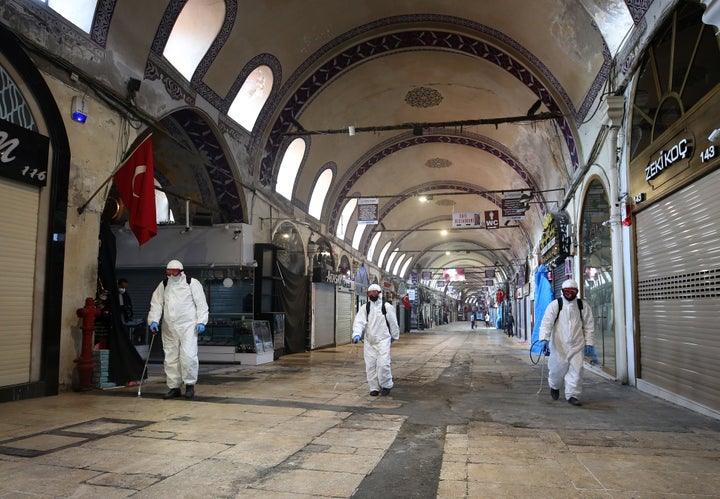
{"points": [[465, 419]]}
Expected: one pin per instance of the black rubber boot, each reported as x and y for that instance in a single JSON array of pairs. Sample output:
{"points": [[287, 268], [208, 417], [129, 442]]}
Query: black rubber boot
{"points": [[173, 394], [189, 391]]}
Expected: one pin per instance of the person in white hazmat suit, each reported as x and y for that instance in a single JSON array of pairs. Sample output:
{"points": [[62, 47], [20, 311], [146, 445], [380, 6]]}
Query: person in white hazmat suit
{"points": [[573, 337], [379, 334], [180, 302]]}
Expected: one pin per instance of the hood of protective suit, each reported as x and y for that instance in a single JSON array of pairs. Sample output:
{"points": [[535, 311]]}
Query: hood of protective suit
{"points": [[174, 264], [570, 283]]}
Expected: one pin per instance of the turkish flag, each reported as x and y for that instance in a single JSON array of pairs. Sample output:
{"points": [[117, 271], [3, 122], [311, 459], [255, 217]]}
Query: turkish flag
{"points": [[135, 180]]}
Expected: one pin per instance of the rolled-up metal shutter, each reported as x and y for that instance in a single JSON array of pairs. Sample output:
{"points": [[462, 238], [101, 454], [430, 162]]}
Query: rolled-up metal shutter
{"points": [[18, 240], [678, 250]]}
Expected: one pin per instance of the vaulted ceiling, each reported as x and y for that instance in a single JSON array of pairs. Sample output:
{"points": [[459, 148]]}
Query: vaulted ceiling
{"points": [[465, 101]]}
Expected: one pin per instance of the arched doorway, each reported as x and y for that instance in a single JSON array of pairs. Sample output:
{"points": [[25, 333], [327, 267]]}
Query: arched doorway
{"points": [[597, 276]]}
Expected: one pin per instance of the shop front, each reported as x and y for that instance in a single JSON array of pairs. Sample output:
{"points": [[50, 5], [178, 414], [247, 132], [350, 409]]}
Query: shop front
{"points": [[674, 183]]}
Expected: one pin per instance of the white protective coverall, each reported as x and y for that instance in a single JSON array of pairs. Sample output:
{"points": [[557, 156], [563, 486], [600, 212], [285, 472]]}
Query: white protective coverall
{"points": [[567, 345], [182, 307], [377, 342]]}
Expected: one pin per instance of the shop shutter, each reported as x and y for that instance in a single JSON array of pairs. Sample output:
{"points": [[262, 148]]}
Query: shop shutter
{"points": [[678, 249], [18, 239], [343, 316], [322, 331]]}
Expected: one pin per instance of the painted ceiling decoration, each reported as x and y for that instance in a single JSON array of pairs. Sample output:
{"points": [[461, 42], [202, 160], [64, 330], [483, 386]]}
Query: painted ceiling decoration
{"points": [[413, 40]]}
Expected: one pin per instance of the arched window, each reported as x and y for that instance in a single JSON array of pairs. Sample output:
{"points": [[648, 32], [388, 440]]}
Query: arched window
{"points": [[382, 253], [678, 70], [252, 96], [390, 260], [357, 236], [163, 212], [373, 244], [194, 30], [78, 12], [403, 272], [345, 216], [597, 277], [319, 192], [289, 168], [398, 263]]}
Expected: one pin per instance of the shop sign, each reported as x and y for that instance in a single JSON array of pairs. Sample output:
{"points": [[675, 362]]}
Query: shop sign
{"points": [[339, 279], [23, 154], [665, 159], [555, 241]]}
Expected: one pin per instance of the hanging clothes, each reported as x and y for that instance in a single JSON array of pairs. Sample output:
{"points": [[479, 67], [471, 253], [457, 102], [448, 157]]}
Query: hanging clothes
{"points": [[543, 297]]}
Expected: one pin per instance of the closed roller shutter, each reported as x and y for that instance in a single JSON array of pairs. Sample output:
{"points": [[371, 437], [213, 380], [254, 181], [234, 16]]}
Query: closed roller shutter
{"points": [[678, 242], [322, 331], [343, 316], [18, 238]]}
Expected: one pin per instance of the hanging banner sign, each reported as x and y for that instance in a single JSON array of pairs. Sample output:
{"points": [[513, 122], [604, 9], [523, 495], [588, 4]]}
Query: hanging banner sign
{"points": [[466, 219], [23, 154], [367, 211], [454, 274], [514, 205]]}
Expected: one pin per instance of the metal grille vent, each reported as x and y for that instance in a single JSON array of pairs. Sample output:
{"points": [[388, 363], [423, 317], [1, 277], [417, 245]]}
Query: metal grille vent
{"points": [[703, 284]]}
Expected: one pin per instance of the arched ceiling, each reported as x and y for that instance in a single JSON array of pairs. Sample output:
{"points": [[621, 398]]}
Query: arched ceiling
{"points": [[460, 100]]}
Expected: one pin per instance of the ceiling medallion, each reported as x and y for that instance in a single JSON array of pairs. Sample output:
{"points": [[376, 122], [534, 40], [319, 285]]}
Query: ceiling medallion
{"points": [[438, 163], [423, 97]]}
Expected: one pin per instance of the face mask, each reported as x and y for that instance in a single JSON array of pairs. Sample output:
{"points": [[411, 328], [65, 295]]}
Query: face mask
{"points": [[175, 278], [121, 291], [374, 298], [569, 294]]}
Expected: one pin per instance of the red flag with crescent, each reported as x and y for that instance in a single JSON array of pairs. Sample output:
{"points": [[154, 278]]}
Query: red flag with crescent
{"points": [[135, 180]]}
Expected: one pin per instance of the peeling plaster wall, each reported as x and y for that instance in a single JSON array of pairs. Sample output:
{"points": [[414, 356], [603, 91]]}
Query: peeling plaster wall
{"points": [[94, 154]]}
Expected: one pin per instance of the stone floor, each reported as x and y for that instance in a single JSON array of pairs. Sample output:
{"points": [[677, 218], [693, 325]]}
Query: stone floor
{"points": [[467, 418]]}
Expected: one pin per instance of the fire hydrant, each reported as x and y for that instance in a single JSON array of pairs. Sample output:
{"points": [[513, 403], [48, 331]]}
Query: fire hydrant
{"points": [[85, 362]]}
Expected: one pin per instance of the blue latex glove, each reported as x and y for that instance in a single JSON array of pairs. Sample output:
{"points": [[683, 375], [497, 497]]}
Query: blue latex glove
{"points": [[591, 354], [544, 348], [154, 327], [392, 340], [200, 328], [356, 338]]}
